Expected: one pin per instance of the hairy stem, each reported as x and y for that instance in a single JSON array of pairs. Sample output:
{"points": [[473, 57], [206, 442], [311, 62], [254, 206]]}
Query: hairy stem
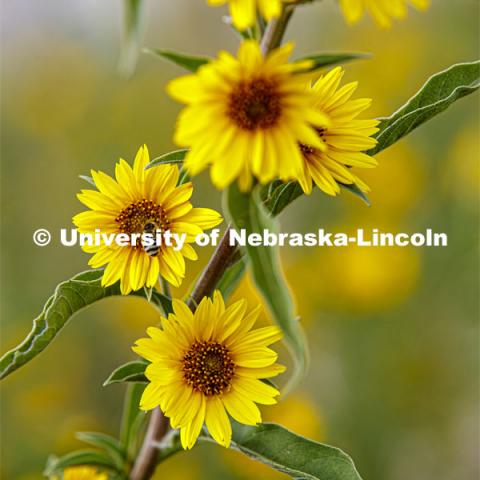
{"points": [[147, 457], [216, 267], [221, 259], [276, 29]]}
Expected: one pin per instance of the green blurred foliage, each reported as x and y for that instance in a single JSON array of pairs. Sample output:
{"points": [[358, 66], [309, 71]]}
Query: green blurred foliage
{"points": [[393, 332]]}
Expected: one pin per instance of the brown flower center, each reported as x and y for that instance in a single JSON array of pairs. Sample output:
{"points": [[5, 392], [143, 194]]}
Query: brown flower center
{"points": [[208, 368], [255, 104], [144, 216], [307, 150]]}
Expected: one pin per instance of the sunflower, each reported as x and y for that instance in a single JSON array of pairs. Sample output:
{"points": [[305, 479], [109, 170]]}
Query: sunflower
{"points": [[343, 141], [207, 364], [244, 12], [82, 472], [247, 116], [382, 11], [133, 202]]}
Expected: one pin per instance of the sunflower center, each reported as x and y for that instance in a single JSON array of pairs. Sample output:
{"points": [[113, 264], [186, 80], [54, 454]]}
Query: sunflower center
{"points": [[141, 215], [208, 368], [307, 150], [255, 104]]}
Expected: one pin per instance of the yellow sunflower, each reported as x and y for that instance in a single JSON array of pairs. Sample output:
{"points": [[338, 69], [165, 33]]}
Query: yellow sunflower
{"points": [[382, 11], [134, 201], [244, 12], [247, 116], [207, 364], [83, 472], [343, 141]]}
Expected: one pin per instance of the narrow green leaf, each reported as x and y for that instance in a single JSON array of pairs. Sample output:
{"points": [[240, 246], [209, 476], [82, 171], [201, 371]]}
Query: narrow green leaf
{"points": [[322, 60], [298, 457], [190, 62], [438, 93], [161, 301], [132, 419], [176, 156], [280, 195], [248, 212], [133, 32], [88, 179], [79, 457], [129, 372], [107, 443], [355, 190], [70, 297], [184, 176], [231, 278]]}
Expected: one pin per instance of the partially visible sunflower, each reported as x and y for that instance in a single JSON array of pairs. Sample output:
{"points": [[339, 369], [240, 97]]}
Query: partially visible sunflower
{"points": [[207, 364], [82, 472], [343, 141], [247, 116], [382, 11], [244, 12], [127, 204]]}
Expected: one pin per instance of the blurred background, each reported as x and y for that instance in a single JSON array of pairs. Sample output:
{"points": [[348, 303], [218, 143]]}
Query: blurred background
{"points": [[393, 332]]}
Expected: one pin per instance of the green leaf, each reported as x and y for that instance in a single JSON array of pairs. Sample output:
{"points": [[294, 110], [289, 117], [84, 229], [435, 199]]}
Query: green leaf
{"points": [[184, 177], [189, 62], [109, 444], [160, 300], [88, 179], [231, 278], [132, 419], [248, 212], [176, 156], [79, 457], [128, 372], [133, 32], [321, 60], [69, 298], [280, 449], [355, 190], [280, 195], [438, 93], [298, 457]]}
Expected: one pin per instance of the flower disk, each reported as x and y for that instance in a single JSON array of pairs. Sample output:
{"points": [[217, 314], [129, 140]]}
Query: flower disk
{"points": [[208, 363], [244, 12], [247, 116], [343, 141], [142, 201], [382, 11]]}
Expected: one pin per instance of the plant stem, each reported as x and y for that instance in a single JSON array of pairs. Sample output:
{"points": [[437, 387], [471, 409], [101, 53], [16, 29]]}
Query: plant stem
{"points": [[219, 262], [276, 29], [147, 457], [216, 267]]}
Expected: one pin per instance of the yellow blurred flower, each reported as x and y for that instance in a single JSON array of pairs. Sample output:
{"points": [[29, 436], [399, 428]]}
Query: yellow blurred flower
{"points": [[343, 142], [208, 363], [137, 199], [382, 11], [83, 472], [247, 116], [463, 168], [244, 12], [397, 186], [357, 279]]}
